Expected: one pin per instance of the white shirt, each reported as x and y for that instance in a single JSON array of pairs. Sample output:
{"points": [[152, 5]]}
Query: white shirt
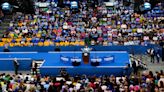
{"points": [[78, 85], [86, 50]]}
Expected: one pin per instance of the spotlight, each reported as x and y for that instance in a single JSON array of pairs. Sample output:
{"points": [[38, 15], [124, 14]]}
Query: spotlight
{"points": [[147, 6], [74, 4], [6, 6]]}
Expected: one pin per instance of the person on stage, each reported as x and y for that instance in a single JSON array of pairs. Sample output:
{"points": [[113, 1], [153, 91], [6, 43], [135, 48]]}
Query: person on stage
{"points": [[16, 65], [86, 50], [34, 68], [85, 54]]}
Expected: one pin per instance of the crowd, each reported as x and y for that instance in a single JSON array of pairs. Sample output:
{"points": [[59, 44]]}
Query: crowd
{"points": [[88, 24], [146, 82]]}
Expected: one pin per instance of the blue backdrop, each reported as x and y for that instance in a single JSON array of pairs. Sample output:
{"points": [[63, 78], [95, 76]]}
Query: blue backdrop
{"points": [[138, 49]]}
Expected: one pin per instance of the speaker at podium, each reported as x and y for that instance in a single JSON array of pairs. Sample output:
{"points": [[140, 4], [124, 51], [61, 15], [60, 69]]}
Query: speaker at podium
{"points": [[86, 54]]}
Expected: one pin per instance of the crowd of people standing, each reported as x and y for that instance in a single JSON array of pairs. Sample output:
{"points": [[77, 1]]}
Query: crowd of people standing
{"points": [[145, 82]]}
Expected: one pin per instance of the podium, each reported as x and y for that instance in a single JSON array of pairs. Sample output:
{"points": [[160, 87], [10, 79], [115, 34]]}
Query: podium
{"points": [[86, 57]]}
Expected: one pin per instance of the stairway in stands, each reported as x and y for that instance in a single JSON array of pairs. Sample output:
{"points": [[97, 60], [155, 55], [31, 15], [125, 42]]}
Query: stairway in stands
{"points": [[5, 24]]}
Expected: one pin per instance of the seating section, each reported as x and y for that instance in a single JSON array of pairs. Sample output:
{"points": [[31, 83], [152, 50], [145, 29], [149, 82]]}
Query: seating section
{"points": [[68, 28], [100, 25]]}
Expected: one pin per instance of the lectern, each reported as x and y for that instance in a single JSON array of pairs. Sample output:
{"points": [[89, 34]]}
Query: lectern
{"points": [[86, 54], [86, 57]]}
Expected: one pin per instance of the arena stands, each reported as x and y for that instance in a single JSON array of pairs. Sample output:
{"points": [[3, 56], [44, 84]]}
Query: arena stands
{"points": [[99, 25], [115, 32]]}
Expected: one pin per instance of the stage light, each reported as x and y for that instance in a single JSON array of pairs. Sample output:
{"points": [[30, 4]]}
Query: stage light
{"points": [[74, 4], [6, 6], [147, 6]]}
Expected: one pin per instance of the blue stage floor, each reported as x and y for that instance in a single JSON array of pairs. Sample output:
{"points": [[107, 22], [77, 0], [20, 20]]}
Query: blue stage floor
{"points": [[53, 64]]}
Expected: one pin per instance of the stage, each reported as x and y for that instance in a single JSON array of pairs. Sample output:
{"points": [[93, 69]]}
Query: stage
{"points": [[53, 63]]}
